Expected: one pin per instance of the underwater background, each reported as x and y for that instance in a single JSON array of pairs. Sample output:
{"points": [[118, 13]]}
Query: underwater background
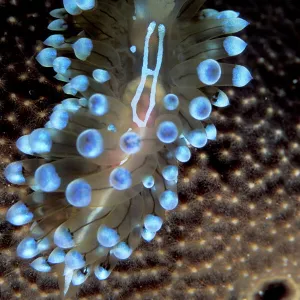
{"points": [[236, 232]]}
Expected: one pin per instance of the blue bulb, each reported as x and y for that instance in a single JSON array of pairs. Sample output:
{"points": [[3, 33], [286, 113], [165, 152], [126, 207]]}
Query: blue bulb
{"points": [[44, 245], [71, 7], [153, 223], [227, 14], [80, 83], [23, 144], [197, 138], [74, 260], [130, 142], [89, 143], [86, 4], [148, 182], [101, 75], [46, 57], [58, 13], [54, 40], [120, 179], [40, 141], [68, 89], [83, 48], [240, 76], [234, 45], [221, 100], [170, 173], [209, 71], [200, 108], [171, 102], [98, 105], [79, 193], [233, 25], [14, 173], [71, 105], [79, 277], [59, 119], [101, 273], [27, 248], [168, 200], [63, 238], [183, 153], [83, 102], [148, 235], [40, 264], [46, 178], [107, 237], [167, 132], [57, 256], [122, 251], [61, 64], [58, 25], [18, 214], [211, 132]]}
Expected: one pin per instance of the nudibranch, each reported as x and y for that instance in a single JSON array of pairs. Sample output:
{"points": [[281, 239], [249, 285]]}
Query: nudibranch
{"points": [[142, 77]]}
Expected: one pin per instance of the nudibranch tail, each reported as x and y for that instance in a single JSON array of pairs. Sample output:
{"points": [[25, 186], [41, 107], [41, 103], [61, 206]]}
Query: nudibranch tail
{"points": [[143, 78]]}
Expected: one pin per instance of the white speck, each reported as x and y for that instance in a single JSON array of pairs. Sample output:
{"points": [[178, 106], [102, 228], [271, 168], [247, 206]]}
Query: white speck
{"points": [[133, 49]]}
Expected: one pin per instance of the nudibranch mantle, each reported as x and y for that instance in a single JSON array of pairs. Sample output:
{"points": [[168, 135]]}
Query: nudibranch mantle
{"points": [[144, 78]]}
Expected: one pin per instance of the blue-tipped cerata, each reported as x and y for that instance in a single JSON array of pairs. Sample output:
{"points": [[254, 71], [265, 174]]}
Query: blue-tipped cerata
{"points": [[200, 108], [46, 57], [120, 179], [130, 142], [98, 105], [167, 132], [168, 200], [83, 48], [46, 178], [122, 251], [107, 237], [209, 71], [19, 214], [78, 193], [153, 223], [90, 143], [13, 173]]}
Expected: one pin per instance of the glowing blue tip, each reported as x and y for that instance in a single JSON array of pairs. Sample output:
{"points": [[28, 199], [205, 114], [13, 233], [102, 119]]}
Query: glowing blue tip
{"points": [[74, 260], [122, 251], [221, 100], [40, 141], [130, 142], [71, 105], [240, 76], [23, 144], [211, 132], [233, 25], [46, 57], [101, 273], [79, 193], [148, 182], [44, 245], [167, 132], [71, 7], [54, 40], [86, 4], [153, 223], [170, 173], [90, 143], [98, 105], [68, 89], [57, 256], [234, 45], [58, 13], [13, 173], [58, 25], [63, 238], [200, 108], [40, 264], [209, 71], [27, 248], [168, 200], [83, 48], [46, 178], [183, 153], [107, 237], [227, 14], [79, 277], [197, 138], [120, 179], [148, 235], [80, 83], [171, 102], [61, 64], [101, 75], [59, 119], [18, 214]]}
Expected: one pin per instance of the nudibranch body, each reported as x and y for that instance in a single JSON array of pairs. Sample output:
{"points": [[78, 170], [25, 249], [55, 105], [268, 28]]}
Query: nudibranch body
{"points": [[143, 78]]}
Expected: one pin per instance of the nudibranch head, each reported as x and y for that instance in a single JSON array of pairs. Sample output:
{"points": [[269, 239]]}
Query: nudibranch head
{"points": [[143, 78]]}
